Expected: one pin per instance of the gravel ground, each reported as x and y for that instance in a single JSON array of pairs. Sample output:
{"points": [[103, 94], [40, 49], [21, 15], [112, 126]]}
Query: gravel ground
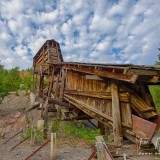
{"points": [[10, 118]]}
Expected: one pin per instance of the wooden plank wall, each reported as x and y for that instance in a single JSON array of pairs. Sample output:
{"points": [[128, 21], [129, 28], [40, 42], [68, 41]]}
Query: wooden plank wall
{"points": [[76, 81]]}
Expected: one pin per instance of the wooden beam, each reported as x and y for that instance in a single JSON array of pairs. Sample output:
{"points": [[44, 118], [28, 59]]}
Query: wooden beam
{"points": [[126, 113], [46, 106], [124, 97], [33, 107], [154, 79], [94, 77], [91, 111], [58, 102], [103, 73], [51, 81], [143, 72], [88, 112], [64, 72], [89, 107], [116, 114], [101, 126]]}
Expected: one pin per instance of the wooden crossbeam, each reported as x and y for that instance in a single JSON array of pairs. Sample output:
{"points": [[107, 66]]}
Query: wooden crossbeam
{"points": [[124, 97], [143, 72], [104, 73], [91, 110]]}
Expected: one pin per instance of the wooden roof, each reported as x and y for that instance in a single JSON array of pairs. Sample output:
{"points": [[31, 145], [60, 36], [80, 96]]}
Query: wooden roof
{"points": [[125, 72]]}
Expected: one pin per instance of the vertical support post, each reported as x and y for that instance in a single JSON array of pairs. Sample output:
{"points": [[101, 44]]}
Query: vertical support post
{"points": [[42, 109], [116, 114], [45, 118], [56, 87], [100, 151], [32, 142], [53, 146], [62, 84], [41, 85], [101, 127], [126, 113], [35, 83], [46, 105], [51, 83]]}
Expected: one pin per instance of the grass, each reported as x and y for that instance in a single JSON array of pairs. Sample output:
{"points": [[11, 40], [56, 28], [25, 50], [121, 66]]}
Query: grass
{"points": [[155, 92], [16, 93], [39, 135], [75, 130]]}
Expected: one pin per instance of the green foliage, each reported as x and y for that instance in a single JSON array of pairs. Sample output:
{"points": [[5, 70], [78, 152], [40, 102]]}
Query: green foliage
{"points": [[56, 126], [27, 80], [3, 91], [39, 135], [10, 80], [155, 89], [158, 62], [76, 130], [155, 92], [17, 94]]}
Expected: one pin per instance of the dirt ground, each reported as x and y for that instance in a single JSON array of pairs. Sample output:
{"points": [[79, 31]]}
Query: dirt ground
{"points": [[13, 118]]}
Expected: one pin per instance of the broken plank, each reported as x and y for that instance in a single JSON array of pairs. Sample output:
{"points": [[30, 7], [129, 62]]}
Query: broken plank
{"points": [[91, 109]]}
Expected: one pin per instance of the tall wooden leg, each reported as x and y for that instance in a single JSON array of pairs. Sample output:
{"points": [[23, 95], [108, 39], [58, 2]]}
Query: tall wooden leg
{"points": [[101, 127], [117, 128]]}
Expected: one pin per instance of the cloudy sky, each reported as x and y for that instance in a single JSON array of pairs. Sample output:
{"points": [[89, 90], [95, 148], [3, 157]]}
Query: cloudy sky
{"points": [[108, 31]]}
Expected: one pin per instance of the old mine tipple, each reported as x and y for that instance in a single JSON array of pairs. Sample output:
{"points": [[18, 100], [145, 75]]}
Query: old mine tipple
{"points": [[116, 95]]}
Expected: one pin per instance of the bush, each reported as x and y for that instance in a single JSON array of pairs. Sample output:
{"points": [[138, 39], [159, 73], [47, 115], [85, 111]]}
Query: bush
{"points": [[39, 135], [155, 92], [75, 130]]}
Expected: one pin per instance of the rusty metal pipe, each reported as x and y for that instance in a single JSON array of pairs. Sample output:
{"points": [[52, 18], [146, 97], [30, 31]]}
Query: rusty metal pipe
{"points": [[18, 144], [13, 136], [34, 152]]}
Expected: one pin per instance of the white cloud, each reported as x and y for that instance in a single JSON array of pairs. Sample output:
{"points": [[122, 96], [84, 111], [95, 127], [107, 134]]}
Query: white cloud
{"points": [[90, 31]]}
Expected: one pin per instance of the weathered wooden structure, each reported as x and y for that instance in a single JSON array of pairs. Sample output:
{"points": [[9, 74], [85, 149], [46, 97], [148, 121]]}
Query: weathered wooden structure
{"points": [[109, 93]]}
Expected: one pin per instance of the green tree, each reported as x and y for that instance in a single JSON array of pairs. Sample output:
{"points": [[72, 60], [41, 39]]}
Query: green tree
{"points": [[155, 89], [27, 81], [12, 80], [3, 91], [158, 62]]}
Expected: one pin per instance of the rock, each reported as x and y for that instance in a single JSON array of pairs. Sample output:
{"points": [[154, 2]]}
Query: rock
{"points": [[10, 121], [32, 98], [17, 114], [40, 125]]}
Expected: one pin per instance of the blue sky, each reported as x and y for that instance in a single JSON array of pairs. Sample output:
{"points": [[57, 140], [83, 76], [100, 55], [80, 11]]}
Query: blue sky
{"points": [[101, 31]]}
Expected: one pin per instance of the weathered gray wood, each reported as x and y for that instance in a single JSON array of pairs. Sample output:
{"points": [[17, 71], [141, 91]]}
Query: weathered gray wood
{"points": [[64, 72], [100, 95], [46, 106], [103, 152], [116, 114], [94, 77], [32, 141], [126, 113], [55, 101], [51, 83], [156, 140], [53, 146], [33, 107], [91, 111]]}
